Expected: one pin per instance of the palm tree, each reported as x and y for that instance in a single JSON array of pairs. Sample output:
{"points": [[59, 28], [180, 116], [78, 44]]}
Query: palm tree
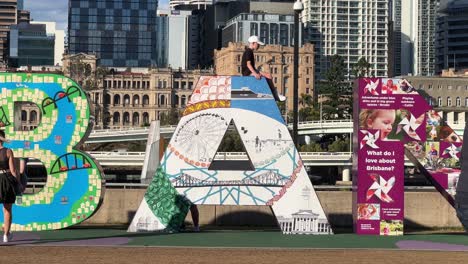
{"points": [[306, 100]]}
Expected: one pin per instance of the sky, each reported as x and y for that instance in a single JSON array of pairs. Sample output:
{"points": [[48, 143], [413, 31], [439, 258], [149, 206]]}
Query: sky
{"points": [[57, 10]]}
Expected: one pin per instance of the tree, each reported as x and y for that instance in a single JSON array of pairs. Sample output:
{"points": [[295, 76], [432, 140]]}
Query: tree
{"points": [[169, 118], [82, 72], [339, 146], [306, 100], [309, 114], [231, 142], [312, 147], [362, 69], [336, 91]]}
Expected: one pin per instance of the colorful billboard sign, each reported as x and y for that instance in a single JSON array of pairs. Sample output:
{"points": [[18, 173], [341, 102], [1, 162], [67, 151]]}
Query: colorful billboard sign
{"points": [[392, 120]]}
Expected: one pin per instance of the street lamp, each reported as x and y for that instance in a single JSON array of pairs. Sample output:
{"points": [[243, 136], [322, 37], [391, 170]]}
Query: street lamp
{"points": [[320, 102], [298, 7]]}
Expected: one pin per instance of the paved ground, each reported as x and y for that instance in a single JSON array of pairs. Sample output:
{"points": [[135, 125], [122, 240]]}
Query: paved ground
{"points": [[116, 255], [93, 245]]}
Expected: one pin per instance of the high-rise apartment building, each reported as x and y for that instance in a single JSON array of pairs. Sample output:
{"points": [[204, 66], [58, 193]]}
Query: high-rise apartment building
{"points": [[414, 36], [274, 29], [452, 36], [352, 29], [59, 45], [121, 33], [216, 16], [162, 38], [30, 45], [185, 39], [8, 17], [200, 3]]}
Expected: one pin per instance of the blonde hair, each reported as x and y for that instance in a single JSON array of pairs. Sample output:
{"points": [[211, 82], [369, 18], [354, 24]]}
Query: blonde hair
{"points": [[367, 114]]}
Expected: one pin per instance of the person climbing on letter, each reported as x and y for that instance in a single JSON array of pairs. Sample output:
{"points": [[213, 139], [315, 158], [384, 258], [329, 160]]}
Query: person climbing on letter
{"points": [[248, 66]]}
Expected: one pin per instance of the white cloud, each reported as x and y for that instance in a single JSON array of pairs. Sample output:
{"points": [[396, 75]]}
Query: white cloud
{"points": [[49, 10]]}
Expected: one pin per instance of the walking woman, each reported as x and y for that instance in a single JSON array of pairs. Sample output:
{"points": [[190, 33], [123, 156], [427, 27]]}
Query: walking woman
{"points": [[7, 186]]}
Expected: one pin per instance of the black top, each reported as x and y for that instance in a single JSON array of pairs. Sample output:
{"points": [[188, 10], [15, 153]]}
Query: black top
{"points": [[247, 56], [4, 162]]}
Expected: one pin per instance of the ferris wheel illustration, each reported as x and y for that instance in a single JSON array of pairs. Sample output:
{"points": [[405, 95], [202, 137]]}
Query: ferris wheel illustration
{"points": [[198, 138]]}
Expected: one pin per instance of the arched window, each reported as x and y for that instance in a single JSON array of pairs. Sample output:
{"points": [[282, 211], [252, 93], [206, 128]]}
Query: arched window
{"points": [[136, 119], [126, 99], [449, 101], [458, 102], [33, 116], [107, 99], [285, 70], [24, 115], [126, 118], [162, 100], [176, 100], [439, 101], [136, 100], [428, 100], [116, 99], [183, 100], [116, 120], [145, 99], [145, 118], [466, 101]]}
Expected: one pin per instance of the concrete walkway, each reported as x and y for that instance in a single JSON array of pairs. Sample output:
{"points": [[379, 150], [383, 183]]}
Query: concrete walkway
{"points": [[451, 241]]}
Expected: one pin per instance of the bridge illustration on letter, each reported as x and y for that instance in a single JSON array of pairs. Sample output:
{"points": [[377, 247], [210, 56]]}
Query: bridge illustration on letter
{"points": [[273, 173], [269, 178]]}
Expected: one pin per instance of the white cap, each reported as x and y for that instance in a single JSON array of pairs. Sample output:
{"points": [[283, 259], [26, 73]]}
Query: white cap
{"points": [[253, 39]]}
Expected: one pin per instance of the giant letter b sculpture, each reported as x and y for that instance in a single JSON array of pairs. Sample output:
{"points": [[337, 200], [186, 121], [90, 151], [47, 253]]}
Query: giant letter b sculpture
{"points": [[73, 190]]}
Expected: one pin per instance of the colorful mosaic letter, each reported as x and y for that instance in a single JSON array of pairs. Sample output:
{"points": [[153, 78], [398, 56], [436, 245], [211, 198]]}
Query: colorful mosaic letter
{"points": [[392, 120], [276, 176], [73, 190]]}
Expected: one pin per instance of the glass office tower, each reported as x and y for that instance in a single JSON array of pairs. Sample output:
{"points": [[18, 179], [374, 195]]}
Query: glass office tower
{"points": [[122, 33]]}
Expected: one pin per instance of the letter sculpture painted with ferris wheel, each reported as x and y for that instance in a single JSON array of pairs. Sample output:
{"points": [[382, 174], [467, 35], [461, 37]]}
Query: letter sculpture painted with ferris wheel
{"points": [[271, 173]]}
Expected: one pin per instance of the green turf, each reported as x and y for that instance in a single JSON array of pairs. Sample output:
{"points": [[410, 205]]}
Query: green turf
{"points": [[242, 238]]}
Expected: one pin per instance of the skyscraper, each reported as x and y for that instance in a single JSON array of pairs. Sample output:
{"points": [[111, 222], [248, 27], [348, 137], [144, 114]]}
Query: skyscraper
{"points": [[31, 45], [8, 17], [274, 29], [162, 38], [351, 29], [200, 3], [452, 36], [414, 36], [121, 33]]}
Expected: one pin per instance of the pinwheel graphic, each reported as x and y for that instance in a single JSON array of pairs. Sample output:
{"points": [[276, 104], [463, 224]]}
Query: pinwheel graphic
{"points": [[369, 139], [371, 87], [380, 188], [410, 125], [453, 151]]}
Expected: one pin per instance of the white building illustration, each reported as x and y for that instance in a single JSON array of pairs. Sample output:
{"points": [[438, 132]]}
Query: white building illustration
{"points": [[304, 222]]}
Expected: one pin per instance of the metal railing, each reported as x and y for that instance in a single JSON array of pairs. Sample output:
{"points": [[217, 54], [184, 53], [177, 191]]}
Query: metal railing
{"points": [[36, 186], [324, 124]]}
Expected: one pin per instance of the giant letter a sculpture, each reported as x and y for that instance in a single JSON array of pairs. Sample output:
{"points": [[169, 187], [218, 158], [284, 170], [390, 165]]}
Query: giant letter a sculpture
{"points": [[271, 174]]}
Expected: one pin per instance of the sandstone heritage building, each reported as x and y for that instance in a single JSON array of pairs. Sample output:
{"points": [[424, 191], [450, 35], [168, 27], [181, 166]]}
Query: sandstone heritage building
{"points": [[124, 97], [447, 93]]}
